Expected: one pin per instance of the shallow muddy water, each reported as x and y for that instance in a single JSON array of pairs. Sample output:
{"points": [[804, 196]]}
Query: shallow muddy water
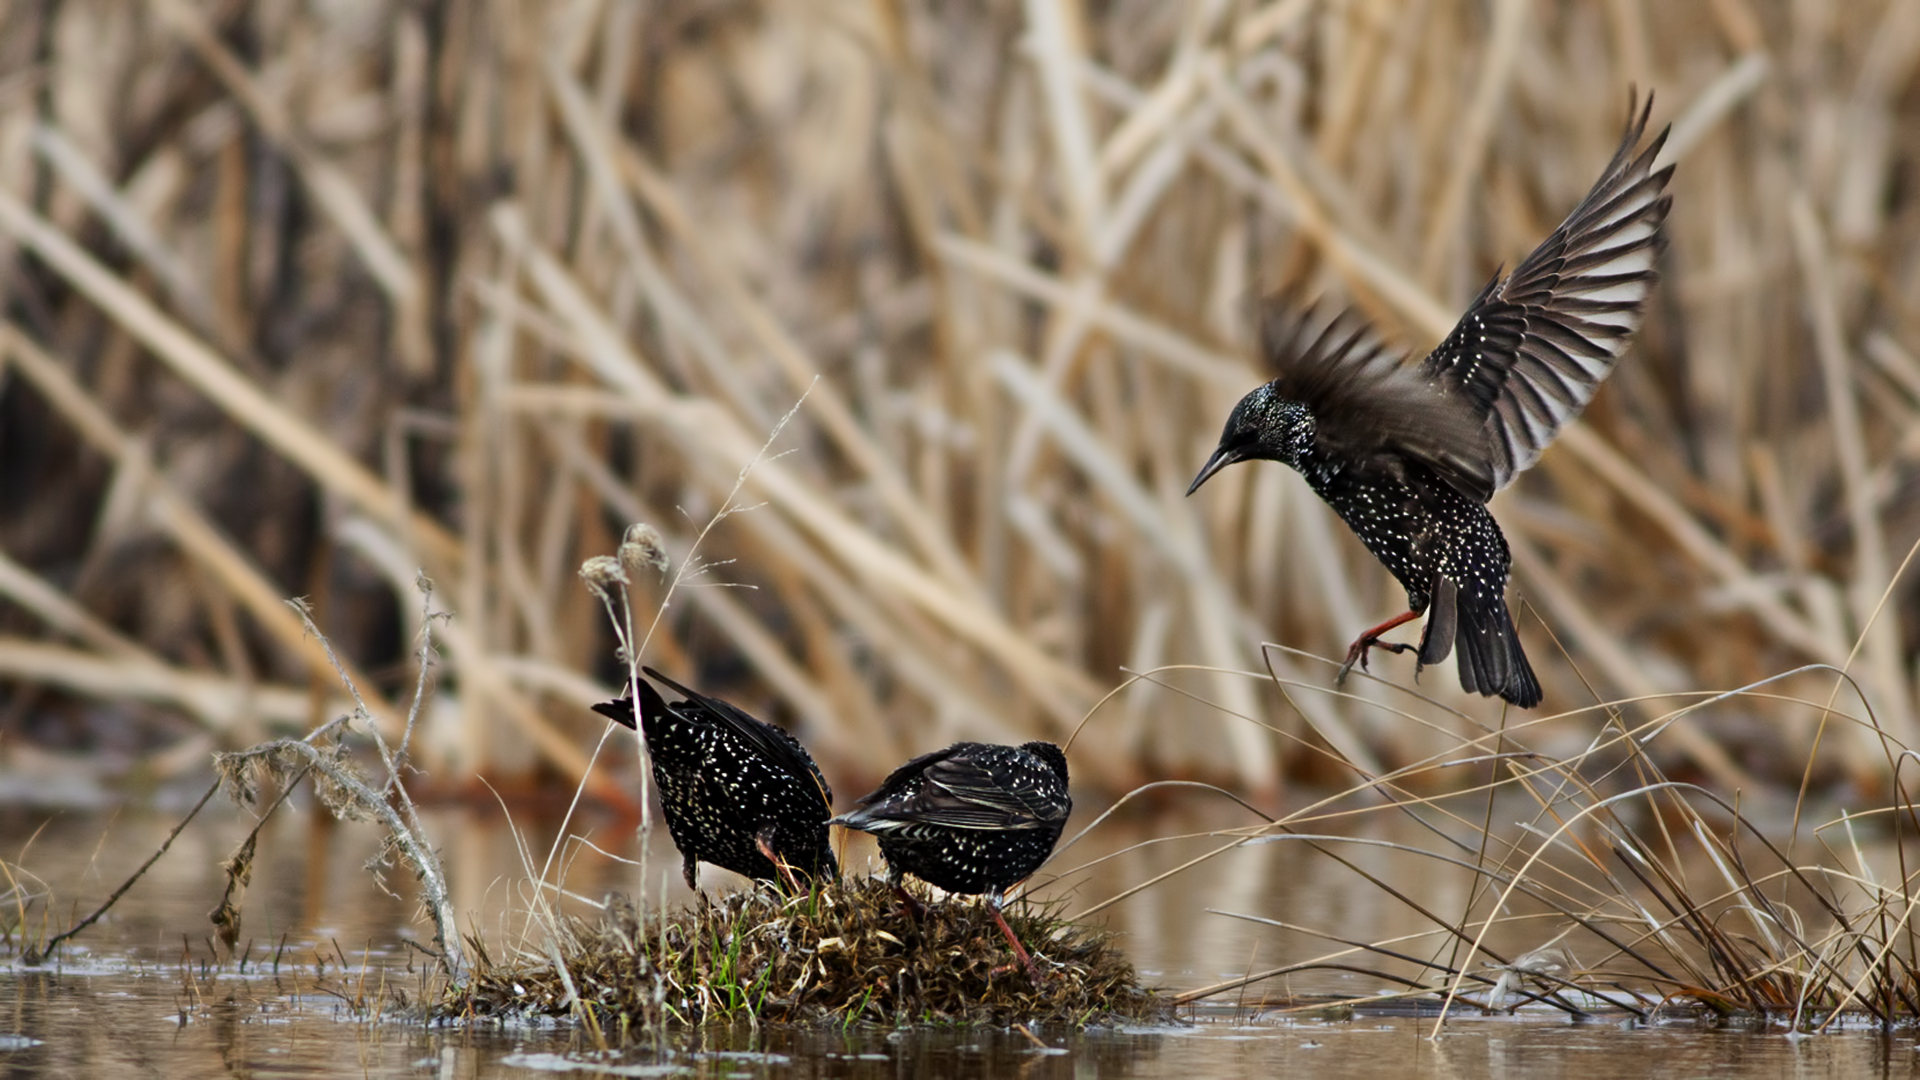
{"points": [[82, 1025], [146, 992]]}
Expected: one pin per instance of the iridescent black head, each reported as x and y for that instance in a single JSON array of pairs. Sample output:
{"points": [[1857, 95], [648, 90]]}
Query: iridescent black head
{"points": [[1055, 758], [1263, 427]]}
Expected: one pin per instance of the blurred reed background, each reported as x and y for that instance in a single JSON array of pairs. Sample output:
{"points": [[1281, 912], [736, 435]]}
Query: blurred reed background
{"points": [[303, 297]]}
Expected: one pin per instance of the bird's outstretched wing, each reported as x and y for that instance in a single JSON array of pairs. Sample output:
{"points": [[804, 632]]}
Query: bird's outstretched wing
{"points": [[1531, 350], [1363, 398]]}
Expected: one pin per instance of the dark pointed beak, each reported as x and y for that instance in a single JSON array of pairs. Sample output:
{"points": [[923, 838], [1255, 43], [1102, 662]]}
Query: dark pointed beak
{"points": [[1222, 457]]}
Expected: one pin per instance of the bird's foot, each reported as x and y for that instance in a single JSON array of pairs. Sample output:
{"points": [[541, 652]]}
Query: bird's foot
{"points": [[1035, 973], [1357, 652], [1038, 977]]}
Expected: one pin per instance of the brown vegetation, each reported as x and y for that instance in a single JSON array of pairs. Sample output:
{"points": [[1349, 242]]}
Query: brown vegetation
{"points": [[843, 953], [301, 298], [1615, 889]]}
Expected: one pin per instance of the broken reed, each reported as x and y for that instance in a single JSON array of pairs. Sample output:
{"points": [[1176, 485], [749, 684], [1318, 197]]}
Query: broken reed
{"points": [[844, 952], [482, 280]]}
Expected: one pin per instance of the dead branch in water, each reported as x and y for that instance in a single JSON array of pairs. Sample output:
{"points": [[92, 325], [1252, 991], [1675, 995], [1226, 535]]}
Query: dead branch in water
{"points": [[348, 796]]}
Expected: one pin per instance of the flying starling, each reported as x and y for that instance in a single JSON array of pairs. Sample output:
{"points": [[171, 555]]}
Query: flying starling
{"points": [[973, 818], [737, 792], [1409, 455]]}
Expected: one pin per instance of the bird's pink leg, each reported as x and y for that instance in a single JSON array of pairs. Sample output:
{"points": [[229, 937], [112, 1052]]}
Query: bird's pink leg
{"points": [[766, 848], [1019, 950], [1357, 652]]}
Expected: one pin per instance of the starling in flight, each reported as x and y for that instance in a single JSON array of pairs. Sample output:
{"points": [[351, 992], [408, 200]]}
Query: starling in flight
{"points": [[737, 792], [1408, 455]]}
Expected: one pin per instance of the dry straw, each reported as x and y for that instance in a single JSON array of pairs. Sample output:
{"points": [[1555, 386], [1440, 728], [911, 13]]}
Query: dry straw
{"points": [[304, 297]]}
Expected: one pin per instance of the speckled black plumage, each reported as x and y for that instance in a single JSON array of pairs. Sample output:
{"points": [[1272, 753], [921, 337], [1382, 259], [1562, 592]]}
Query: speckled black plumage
{"points": [[973, 818], [731, 784], [1409, 455]]}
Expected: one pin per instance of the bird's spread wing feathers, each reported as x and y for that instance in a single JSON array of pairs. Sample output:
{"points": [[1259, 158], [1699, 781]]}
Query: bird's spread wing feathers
{"points": [[1363, 397], [1532, 350], [1523, 361]]}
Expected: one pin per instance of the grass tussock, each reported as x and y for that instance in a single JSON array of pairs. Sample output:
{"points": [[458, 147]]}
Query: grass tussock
{"points": [[842, 953]]}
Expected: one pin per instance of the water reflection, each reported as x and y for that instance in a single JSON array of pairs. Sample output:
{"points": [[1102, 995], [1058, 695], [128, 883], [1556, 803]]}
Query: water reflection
{"points": [[311, 889], [67, 1025]]}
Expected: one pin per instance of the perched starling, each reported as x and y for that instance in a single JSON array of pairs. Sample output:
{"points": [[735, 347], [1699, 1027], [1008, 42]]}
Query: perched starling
{"points": [[1409, 455], [973, 818], [737, 792]]}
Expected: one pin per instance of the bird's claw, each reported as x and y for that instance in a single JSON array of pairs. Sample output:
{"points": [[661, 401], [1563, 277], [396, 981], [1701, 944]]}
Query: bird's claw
{"points": [[1357, 654]]}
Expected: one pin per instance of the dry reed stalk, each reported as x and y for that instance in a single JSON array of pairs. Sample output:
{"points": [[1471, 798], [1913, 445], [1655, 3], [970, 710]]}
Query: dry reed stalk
{"points": [[330, 187], [1626, 890], [173, 515], [482, 280], [227, 388], [223, 705]]}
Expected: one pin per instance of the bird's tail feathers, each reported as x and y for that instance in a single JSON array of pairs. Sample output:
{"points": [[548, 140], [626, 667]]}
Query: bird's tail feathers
{"points": [[1491, 660]]}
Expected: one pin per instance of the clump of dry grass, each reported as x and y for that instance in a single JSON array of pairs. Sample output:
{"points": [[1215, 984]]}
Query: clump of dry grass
{"points": [[1596, 882], [842, 953]]}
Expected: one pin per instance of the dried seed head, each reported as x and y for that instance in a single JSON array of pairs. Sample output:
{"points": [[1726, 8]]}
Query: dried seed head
{"points": [[643, 546], [601, 573], [623, 919], [238, 773]]}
